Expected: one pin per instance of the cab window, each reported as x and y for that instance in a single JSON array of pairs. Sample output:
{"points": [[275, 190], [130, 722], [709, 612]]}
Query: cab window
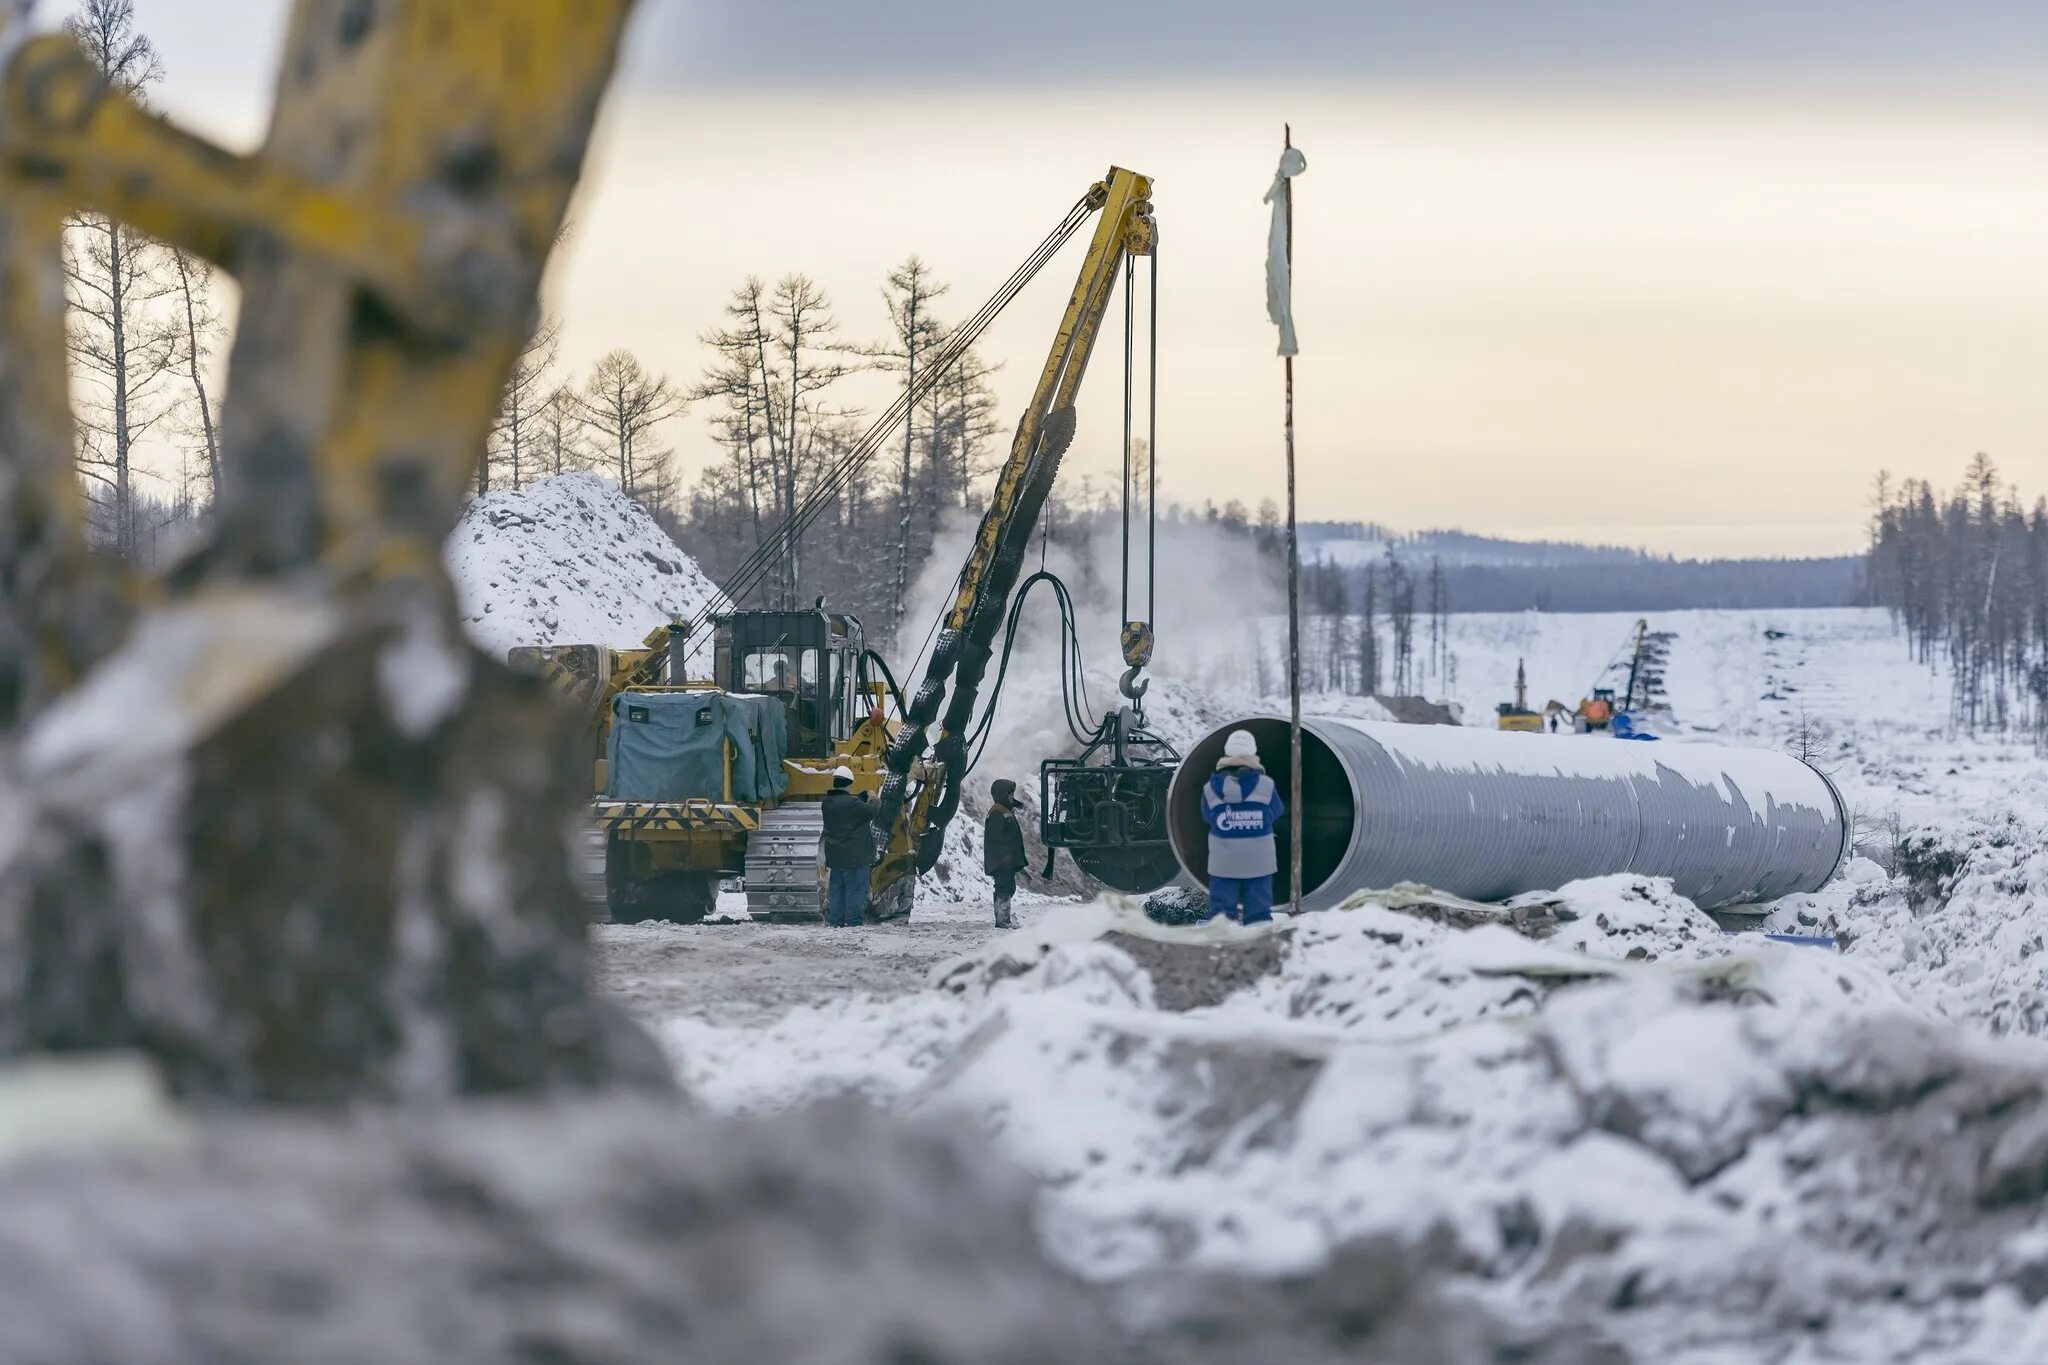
{"points": [[792, 675], [786, 670]]}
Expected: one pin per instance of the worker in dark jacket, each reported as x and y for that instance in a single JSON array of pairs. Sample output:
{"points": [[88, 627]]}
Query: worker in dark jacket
{"points": [[849, 851], [1002, 846], [1241, 806]]}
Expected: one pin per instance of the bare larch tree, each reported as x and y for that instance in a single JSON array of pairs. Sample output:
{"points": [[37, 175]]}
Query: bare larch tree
{"points": [[619, 402], [122, 342], [517, 434], [562, 446], [738, 379], [913, 333], [202, 330], [803, 332]]}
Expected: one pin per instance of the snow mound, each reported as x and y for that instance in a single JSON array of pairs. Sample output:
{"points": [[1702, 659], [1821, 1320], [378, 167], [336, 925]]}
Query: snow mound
{"points": [[1963, 927], [1714, 1151], [1626, 916], [1717, 1154], [977, 975], [570, 560]]}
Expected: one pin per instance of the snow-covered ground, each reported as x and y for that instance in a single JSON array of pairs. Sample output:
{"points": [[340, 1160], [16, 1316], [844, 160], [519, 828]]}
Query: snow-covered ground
{"points": [[1593, 1109], [1709, 1146]]}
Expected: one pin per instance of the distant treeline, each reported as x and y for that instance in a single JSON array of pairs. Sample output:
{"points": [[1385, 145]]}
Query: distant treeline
{"points": [[1488, 573], [1649, 584], [1454, 544], [1966, 574]]}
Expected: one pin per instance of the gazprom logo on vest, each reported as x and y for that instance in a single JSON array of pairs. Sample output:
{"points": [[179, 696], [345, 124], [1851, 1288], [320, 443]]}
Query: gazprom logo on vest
{"points": [[1251, 821]]}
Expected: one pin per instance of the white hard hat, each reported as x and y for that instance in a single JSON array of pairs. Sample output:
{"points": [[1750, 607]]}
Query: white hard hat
{"points": [[842, 773], [1240, 744]]}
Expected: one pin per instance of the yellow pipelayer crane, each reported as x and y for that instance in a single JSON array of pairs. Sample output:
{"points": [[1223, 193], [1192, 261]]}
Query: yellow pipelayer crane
{"points": [[793, 694]]}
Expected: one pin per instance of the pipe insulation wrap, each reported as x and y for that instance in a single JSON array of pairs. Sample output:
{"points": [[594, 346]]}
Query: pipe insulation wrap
{"points": [[1488, 814]]}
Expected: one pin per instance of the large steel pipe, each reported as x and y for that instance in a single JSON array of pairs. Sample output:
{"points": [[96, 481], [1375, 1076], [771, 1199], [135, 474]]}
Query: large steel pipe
{"points": [[1487, 814]]}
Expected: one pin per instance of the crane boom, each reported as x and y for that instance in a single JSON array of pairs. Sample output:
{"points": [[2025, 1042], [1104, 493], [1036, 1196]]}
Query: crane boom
{"points": [[960, 657]]}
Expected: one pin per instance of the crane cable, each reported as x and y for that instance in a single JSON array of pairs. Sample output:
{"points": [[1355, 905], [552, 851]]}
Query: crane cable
{"points": [[956, 344], [1152, 446], [748, 575], [1073, 672], [1129, 686]]}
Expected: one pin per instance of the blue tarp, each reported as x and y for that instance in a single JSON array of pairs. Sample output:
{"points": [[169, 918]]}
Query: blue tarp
{"points": [[1805, 940], [670, 746], [1624, 728]]}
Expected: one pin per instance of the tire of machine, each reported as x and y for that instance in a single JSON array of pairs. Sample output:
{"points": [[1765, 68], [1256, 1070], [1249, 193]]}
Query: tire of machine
{"points": [[680, 897], [673, 897], [623, 892]]}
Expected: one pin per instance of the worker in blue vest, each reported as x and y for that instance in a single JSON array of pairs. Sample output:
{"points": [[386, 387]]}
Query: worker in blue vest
{"points": [[1241, 806]]}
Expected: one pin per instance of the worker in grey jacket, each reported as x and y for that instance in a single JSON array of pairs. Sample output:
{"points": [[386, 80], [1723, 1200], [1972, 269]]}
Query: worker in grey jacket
{"points": [[1241, 806], [1002, 846]]}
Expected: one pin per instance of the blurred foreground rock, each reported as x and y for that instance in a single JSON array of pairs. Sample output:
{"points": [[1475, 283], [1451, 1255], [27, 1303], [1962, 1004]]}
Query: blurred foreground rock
{"points": [[298, 848], [622, 1231], [605, 1231]]}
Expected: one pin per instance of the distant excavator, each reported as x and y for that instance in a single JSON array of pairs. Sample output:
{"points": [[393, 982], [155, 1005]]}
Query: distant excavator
{"points": [[1516, 715], [1647, 653]]}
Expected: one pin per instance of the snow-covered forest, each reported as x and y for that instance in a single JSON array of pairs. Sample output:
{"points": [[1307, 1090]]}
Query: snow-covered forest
{"points": [[1966, 573]]}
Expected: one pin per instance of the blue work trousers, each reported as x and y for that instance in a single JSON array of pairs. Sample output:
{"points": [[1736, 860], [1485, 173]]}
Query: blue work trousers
{"points": [[1248, 898], [846, 897]]}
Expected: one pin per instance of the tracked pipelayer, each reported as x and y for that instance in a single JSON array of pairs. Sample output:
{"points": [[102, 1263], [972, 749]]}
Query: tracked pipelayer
{"points": [[701, 779]]}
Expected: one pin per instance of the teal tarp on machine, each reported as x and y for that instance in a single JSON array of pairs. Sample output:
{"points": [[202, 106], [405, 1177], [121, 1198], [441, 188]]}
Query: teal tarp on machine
{"points": [[668, 746]]}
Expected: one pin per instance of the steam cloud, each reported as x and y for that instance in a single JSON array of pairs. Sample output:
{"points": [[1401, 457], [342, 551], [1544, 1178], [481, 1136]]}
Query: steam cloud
{"points": [[1213, 588]]}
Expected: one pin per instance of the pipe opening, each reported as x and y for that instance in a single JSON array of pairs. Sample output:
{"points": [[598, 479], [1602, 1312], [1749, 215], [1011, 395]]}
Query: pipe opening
{"points": [[1330, 812]]}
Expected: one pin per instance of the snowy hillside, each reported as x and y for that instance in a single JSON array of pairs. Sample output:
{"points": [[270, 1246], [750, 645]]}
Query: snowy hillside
{"points": [[1358, 545], [569, 560], [1754, 678]]}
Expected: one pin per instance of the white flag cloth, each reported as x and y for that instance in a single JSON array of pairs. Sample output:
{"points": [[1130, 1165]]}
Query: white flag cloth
{"points": [[1279, 284]]}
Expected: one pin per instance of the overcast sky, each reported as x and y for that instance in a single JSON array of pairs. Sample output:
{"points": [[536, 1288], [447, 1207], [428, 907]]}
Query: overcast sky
{"points": [[1681, 274]]}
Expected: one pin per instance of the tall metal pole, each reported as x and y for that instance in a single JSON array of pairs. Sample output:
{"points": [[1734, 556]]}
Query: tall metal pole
{"points": [[1294, 820]]}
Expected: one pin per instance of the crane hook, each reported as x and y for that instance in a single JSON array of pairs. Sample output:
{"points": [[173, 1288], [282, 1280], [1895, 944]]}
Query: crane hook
{"points": [[1136, 639]]}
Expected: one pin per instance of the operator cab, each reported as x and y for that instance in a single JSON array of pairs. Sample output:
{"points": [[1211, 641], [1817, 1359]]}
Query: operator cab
{"points": [[807, 659]]}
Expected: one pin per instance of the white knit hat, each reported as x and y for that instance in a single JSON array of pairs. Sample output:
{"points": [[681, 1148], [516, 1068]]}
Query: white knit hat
{"points": [[1240, 744]]}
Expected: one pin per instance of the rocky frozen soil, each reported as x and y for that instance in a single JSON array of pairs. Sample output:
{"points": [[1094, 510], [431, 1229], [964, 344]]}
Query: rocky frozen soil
{"points": [[1592, 1117], [1677, 1143]]}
